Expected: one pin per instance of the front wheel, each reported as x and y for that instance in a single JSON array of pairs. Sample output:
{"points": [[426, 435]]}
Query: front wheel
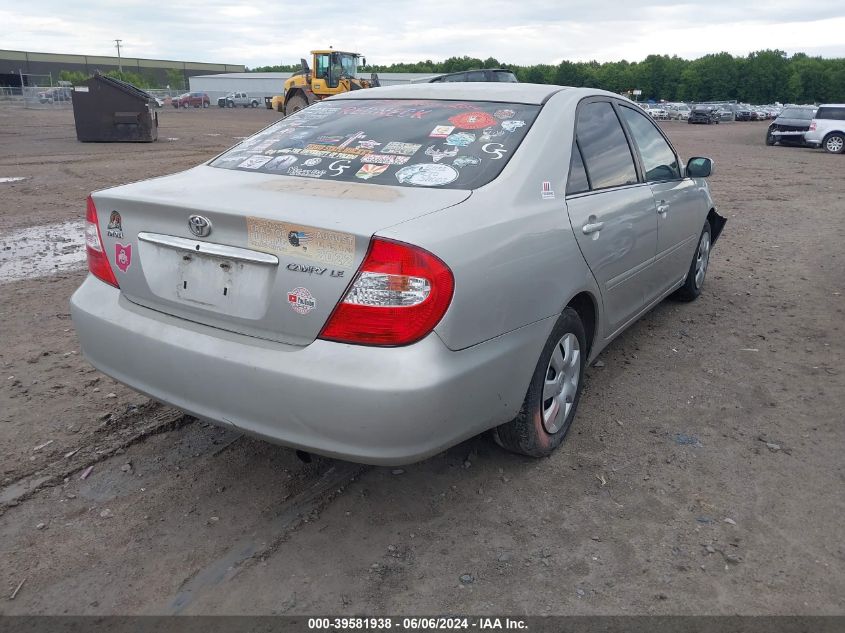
{"points": [[295, 104], [553, 394], [205, 104], [834, 143], [770, 139], [691, 289]]}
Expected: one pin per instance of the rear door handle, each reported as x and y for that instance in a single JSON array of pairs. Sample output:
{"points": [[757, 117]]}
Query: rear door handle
{"points": [[595, 227]]}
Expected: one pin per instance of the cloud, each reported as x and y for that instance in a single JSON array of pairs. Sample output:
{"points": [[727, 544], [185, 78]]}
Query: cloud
{"points": [[528, 32]]}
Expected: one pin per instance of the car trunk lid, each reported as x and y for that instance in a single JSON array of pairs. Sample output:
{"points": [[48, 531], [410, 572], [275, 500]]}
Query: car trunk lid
{"points": [[278, 255]]}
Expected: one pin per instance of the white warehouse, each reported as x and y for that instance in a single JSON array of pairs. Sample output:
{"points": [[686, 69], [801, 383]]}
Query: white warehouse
{"points": [[262, 85]]}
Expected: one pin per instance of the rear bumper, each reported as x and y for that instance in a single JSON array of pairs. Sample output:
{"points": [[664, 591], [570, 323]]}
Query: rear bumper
{"points": [[813, 138], [372, 405]]}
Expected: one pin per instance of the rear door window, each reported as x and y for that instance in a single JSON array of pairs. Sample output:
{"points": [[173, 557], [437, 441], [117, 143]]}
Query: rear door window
{"points": [[607, 155], [659, 161], [837, 114], [412, 143]]}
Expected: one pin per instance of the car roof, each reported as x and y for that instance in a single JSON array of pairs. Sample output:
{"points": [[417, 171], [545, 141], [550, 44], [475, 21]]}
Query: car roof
{"points": [[469, 91]]}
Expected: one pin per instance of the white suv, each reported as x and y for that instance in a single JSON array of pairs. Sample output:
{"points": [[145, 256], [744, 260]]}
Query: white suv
{"points": [[827, 129]]}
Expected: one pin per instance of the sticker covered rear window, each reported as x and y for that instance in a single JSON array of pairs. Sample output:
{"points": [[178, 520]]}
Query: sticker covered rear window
{"points": [[420, 143]]}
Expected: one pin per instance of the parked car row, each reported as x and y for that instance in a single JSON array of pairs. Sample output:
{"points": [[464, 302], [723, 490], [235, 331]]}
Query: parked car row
{"points": [[717, 111]]}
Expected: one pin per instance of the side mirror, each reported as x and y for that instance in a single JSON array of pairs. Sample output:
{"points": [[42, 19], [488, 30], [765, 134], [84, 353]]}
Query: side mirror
{"points": [[699, 167], [364, 62]]}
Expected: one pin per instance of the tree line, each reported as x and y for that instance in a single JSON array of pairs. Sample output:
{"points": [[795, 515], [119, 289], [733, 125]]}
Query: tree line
{"points": [[761, 77]]}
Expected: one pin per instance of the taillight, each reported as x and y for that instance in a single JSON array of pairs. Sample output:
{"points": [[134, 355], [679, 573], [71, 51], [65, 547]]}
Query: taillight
{"points": [[399, 294], [98, 263], [813, 125]]}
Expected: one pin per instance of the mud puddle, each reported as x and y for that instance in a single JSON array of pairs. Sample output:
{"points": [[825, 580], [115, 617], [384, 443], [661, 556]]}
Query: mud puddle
{"points": [[37, 251]]}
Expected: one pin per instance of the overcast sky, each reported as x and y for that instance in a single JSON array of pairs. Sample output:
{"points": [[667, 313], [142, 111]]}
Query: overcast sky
{"points": [[517, 31]]}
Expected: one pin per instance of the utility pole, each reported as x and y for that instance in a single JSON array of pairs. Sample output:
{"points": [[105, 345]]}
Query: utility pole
{"points": [[119, 62]]}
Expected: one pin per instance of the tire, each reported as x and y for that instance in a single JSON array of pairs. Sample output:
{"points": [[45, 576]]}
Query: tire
{"points": [[295, 104], [280, 107], [834, 143], [205, 104], [255, 104], [697, 272], [230, 104], [770, 140], [541, 425], [185, 106]]}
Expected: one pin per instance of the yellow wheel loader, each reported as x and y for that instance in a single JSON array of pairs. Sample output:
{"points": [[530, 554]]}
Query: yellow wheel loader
{"points": [[333, 72]]}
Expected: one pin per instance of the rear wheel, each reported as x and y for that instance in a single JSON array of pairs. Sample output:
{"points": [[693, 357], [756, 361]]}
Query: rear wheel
{"points": [[295, 104], [553, 394], [834, 143], [698, 268]]}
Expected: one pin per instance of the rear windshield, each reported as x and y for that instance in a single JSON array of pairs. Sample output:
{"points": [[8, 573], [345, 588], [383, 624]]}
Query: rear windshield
{"points": [[797, 113], [420, 143]]}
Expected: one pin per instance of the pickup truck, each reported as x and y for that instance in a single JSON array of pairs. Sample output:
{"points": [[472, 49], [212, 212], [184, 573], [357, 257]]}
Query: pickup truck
{"points": [[237, 99]]}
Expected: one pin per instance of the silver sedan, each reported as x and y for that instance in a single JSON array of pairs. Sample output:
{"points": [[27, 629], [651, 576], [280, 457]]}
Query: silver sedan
{"points": [[391, 271]]}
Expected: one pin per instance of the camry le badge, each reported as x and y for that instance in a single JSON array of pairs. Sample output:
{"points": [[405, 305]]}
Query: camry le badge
{"points": [[199, 225]]}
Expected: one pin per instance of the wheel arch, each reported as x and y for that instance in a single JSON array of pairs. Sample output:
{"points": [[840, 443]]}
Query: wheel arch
{"points": [[717, 223], [585, 304]]}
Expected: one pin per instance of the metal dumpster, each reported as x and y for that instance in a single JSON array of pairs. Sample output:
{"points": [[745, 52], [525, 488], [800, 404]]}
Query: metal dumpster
{"points": [[110, 110]]}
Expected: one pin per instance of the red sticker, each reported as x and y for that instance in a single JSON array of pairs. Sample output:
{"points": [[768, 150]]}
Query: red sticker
{"points": [[472, 120], [123, 256]]}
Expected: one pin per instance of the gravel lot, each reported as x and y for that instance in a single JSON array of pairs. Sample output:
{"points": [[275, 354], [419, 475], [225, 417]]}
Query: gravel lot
{"points": [[703, 474]]}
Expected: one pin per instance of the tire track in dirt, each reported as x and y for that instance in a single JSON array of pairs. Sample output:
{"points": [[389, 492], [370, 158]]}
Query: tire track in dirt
{"points": [[125, 430]]}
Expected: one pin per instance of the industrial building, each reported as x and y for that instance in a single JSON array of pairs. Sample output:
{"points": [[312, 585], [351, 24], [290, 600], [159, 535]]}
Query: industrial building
{"points": [[14, 64]]}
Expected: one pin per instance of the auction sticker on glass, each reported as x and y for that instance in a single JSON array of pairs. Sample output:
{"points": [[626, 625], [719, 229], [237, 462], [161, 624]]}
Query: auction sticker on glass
{"points": [[284, 238]]}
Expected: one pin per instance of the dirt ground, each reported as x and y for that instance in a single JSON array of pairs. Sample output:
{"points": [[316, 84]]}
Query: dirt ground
{"points": [[703, 474]]}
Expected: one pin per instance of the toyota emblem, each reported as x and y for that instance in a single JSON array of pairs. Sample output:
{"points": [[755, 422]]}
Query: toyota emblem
{"points": [[199, 225]]}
